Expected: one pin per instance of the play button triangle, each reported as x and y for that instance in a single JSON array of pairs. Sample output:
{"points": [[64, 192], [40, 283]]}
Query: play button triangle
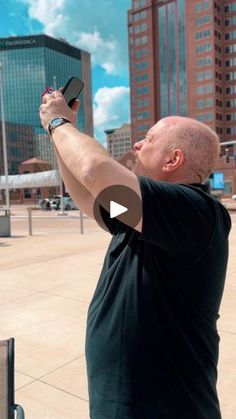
{"points": [[116, 209]]}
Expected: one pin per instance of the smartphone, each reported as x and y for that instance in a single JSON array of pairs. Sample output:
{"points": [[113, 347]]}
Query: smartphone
{"points": [[72, 90]]}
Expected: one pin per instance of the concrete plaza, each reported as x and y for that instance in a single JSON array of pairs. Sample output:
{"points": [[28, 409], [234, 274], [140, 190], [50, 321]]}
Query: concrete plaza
{"points": [[47, 281]]}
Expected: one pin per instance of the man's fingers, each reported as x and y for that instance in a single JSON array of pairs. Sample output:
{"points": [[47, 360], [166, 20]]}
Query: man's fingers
{"points": [[75, 106]]}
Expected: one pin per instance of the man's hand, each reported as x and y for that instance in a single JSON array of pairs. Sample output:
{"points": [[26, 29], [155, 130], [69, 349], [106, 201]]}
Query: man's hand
{"points": [[53, 105]]}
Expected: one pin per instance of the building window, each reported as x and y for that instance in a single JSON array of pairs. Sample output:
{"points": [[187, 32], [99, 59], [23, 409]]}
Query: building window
{"points": [[230, 49], [202, 20], [217, 6], [139, 3], [141, 78], [231, 116], [142, 90], [140, 53], [204, 103], [203, 48], [217, 20], [202, 6], [144, 127], [230, 35], [217, 48], [230, 8], [141, 40], [230, 76], [208, 116], [231, 130], [141, 66], [141, 103], [231, 21], [218, 62], [140, 28], [209, 102], [143, 115], [204, 75], [219, 103], [140, 15], [207, 88], [208, 75], [203, 34], [27, 193], [231, 62], [230, 103], [230, 90], [200, 90], [204, 61]]}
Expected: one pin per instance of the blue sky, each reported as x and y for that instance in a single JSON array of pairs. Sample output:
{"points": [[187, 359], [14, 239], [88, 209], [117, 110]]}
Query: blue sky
{"points": [[99, 27]]}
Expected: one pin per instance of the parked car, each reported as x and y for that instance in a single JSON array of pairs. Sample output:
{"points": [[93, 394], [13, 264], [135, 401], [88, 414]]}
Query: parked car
{"points": [[67, 201]]}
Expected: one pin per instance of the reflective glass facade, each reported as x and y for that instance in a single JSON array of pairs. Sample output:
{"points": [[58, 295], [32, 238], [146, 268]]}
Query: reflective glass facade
{"points": [[172, 53], [29, 65], [183, 106]]}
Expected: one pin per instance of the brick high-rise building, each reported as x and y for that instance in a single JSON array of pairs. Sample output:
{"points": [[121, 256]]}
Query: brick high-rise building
{"points": [[183, 62]]}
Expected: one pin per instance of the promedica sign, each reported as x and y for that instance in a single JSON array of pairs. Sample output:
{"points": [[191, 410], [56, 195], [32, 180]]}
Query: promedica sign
{"points": [[17, 43]]}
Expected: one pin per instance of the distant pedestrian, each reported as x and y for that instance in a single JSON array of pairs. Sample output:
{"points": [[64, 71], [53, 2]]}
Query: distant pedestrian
{"points": [[48, 205]]}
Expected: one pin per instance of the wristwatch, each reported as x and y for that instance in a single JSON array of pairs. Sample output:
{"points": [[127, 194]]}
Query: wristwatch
{"points": [[56, 122]]}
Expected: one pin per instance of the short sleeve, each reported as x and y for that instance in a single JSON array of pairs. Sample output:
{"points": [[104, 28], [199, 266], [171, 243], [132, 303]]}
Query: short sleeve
{"points": [[180, 219], [113, 224]]}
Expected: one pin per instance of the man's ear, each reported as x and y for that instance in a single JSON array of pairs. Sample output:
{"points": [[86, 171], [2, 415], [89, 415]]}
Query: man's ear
{"points": [[175, 160]]}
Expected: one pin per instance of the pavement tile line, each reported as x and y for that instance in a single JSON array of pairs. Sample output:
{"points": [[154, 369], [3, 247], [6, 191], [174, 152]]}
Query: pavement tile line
{"points": [[51, 371], [46, 291], [52, 386], [63, 391], [19, 265], [227, 332], [40, 379], [19, 298]]}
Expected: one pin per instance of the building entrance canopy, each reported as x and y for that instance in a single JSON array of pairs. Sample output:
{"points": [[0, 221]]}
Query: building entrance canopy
{"points": [[31, 180]]}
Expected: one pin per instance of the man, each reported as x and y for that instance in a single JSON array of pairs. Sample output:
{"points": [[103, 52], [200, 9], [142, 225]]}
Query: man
{"points": [[152, 342]]}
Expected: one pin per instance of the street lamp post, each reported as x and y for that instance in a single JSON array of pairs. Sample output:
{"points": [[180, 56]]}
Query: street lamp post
{"points": [[4, 143], [62, 212]]}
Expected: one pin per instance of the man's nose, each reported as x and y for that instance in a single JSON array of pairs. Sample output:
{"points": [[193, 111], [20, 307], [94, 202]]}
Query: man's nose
{"points": [[138, 145]]}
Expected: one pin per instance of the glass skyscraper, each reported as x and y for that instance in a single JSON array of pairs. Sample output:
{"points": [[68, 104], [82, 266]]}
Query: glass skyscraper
{"points": [[30, 63]]}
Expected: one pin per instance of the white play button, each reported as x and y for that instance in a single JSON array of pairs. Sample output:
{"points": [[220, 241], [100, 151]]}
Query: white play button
{"points": [[116, 209]]}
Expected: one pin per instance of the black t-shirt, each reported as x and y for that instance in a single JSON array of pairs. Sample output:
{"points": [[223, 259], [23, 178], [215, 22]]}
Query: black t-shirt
{"points": [[152, 341]]}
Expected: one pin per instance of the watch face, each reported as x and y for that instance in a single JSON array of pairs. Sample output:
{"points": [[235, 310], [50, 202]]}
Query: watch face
{"points": [[55, 122]]}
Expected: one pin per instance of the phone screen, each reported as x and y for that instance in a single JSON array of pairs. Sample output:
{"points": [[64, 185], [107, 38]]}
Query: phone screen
{"points": [[72, 90]]}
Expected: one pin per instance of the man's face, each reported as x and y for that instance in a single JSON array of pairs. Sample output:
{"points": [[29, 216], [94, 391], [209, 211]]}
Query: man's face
{"points": [[151, 154]]}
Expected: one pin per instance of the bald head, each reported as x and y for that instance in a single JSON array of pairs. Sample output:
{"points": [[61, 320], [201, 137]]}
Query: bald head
{"points": [[199, 143]]}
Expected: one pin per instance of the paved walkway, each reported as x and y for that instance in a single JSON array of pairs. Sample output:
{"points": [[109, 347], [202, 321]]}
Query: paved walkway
{"points": [[46, 283]]}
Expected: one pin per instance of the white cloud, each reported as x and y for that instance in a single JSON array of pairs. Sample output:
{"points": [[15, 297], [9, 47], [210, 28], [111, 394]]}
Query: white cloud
{"points": [[47, 12], [103, 52], [101, 30], [111, 108]]}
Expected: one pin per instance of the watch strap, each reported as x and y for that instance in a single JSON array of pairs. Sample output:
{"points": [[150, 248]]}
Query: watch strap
{"points": [[62, 122]]}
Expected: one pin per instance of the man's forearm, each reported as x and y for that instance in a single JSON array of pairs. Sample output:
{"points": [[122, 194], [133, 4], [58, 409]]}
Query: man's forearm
{"points": [[80, 153], [76, 190], [89, 162], [77, 150]]}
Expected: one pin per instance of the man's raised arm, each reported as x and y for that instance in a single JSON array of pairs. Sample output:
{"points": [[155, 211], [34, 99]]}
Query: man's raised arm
{"points": [[83, 156]]}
